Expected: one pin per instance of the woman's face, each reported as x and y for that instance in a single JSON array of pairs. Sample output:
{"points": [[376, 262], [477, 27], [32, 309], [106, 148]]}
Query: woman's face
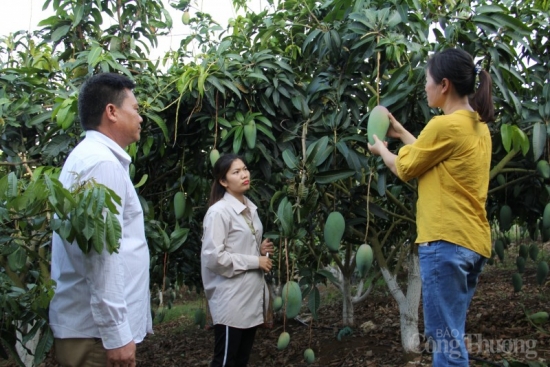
{"points": [[433, 91], [237, 179]]}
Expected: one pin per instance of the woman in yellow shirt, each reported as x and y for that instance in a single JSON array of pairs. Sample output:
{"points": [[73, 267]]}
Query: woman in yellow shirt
{"points": [[451, 160]]}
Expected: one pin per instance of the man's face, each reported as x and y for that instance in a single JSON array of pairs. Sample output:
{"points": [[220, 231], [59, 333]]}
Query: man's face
{"points": [[128, 124]]}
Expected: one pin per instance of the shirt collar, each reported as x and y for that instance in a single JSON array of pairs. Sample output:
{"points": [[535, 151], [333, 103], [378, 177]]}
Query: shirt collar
{"points": [[237, 206], [120, 153]]}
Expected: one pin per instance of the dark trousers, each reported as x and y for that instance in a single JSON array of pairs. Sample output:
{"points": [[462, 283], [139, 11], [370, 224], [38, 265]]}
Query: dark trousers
{"points": [[232, 346]]}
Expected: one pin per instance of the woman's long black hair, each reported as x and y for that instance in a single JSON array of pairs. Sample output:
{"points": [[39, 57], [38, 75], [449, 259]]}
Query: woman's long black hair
{"points": [[458, 67], [221, 167]]}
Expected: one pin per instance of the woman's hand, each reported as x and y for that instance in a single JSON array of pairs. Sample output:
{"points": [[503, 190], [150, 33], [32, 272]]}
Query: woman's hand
{"points": [[396, 130], [266, 264], [378, 147], [266, 247]]}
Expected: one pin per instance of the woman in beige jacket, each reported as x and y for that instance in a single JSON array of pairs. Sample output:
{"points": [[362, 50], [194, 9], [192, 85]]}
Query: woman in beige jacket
{"points": [[233, 262]]}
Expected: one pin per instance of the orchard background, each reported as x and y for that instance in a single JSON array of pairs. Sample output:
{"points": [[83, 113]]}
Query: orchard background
{"points": [[290, 88]]}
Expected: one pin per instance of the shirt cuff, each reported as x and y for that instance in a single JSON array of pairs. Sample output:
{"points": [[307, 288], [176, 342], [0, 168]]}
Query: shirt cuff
{"points": [[252, 262], [117, 336]]}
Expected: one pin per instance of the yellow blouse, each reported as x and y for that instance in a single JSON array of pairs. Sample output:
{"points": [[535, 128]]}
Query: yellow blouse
{"points": [[451, 159]]}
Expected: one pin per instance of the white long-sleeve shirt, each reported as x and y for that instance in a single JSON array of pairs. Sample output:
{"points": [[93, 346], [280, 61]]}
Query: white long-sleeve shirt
{"points": [[103, 295], [230, 263]]}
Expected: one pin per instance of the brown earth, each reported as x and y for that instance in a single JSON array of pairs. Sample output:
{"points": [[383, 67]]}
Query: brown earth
{"points": [[497, 314]]}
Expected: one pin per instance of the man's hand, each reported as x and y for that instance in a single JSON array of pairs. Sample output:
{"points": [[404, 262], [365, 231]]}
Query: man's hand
{"points": [[122, 357]]}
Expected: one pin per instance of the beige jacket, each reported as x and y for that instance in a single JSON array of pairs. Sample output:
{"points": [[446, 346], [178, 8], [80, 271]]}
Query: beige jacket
{"points": [[232, 280]]}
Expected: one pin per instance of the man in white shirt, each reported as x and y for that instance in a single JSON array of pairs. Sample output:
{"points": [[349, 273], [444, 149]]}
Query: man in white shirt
{"points": [[101, 306]]}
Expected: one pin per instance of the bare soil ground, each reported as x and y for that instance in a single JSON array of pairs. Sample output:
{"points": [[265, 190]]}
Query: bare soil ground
{"points": [[496, 319]]}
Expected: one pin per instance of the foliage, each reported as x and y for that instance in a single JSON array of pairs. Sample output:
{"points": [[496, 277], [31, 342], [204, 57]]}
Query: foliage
{"points": [[32, 207]]}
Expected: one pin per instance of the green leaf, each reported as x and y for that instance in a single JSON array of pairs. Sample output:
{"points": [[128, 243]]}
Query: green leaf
{"points": [[94, 56], [142, 181], [327, 274], [160, 123], [258, 76], [327, 177], [17, 259], [44, 345], [60, 33], [113, 232], [506, 134], [520, 140], [178, 238], [539, 140], [489, 9], [315, 150], [286, 217], [238, 139], [290, 159], [12, 190], [314, 301], [98, 236]]}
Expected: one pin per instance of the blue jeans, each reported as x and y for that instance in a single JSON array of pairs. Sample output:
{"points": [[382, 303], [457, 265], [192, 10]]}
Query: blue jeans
{"points": [[449, 277]]}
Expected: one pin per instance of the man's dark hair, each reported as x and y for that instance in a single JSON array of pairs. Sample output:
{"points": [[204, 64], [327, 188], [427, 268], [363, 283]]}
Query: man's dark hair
{"points": [[96, 93]]}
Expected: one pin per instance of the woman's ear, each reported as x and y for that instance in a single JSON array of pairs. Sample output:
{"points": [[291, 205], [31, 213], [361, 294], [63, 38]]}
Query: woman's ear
{"points": [[445, 85], [223, 183]]}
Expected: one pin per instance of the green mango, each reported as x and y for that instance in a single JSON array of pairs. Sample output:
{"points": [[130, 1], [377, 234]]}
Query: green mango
{"points": [[334, 230], [283, 341], [378, 123], [309, 356]]}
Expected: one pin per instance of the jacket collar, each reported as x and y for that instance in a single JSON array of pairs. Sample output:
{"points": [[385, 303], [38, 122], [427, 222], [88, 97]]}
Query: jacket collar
{"points": [[237, 206]]}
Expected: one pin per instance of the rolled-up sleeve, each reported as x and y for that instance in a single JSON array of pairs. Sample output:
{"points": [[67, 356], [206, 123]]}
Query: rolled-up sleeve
{"points": [[214, 254], [434, 144]]}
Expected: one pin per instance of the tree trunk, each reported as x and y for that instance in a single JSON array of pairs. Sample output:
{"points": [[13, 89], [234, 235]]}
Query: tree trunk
{"points": [[347, 309], [27, 357], [408, 306]]}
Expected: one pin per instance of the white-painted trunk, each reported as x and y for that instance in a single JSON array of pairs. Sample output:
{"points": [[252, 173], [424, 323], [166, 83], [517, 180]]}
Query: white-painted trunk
{"points": [[347, 304], [26, 351], [408, 305]]}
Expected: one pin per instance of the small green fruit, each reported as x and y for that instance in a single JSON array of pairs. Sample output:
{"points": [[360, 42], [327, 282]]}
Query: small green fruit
{"points": [[292, 299], [533, 251], [250, 134], [277, 303], [539, 317], [523, 251], [363, 259], [499, 249], [200, 317], [214, 156], [543, 169], [505, 218], [179, 204], [185, 17], [309, 356], [517, 282], [542, 272], [283, 341], [334, 230], [520, 264], [546, 216]]}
